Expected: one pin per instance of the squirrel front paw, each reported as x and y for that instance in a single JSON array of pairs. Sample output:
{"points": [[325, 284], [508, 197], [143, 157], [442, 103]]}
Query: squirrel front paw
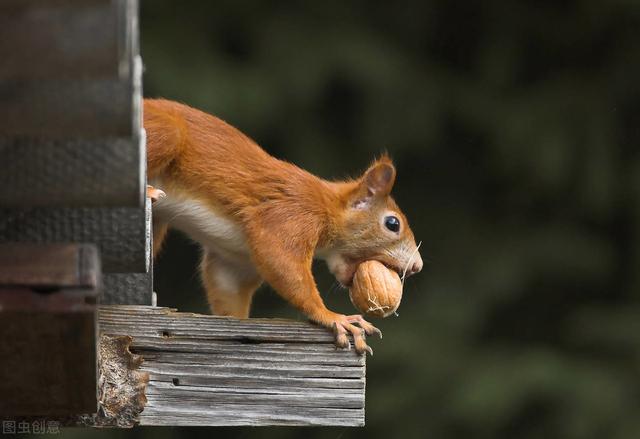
{"points": [[342, 325], [154, 193]]}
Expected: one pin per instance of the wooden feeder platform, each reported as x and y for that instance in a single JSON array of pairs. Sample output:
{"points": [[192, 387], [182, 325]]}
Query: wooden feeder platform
{"points": [[201, 370]]}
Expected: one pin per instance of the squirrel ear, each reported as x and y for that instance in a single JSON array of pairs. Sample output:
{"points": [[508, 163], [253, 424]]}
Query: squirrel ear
{"points": [[380, 177], [376, 182]]}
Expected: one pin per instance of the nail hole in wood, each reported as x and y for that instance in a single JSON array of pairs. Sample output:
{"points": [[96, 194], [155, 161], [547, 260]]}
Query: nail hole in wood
{"points": [[165, 334], [175, 381]]}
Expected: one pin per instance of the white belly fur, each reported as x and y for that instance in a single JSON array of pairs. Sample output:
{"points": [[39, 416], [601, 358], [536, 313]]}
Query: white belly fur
{"points": [[202, 224]]}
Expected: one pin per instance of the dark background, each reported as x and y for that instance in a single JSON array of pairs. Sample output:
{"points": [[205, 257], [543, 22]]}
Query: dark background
{"points": [[514, 127]]}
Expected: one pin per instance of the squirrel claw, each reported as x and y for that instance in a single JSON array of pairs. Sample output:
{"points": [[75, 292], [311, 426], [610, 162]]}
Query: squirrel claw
{"points": [[345, 325], [342, 341], [368, 328], [154, 193]]}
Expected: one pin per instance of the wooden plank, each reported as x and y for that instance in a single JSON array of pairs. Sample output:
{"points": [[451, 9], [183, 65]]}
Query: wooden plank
{"points": [[207, 371], [237, 380], [52, 265], [45, 39], [121, 234], [77, 172], [60, 109], [248, 353], [257, 415], [48, 318], [194, 326]]}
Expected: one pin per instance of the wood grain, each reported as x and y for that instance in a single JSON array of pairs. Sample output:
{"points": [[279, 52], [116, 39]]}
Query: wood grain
{"points": [[207, 371]]}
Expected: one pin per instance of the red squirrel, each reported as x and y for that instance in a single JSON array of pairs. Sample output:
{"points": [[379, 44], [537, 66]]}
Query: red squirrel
{"points": [[263, 219]]}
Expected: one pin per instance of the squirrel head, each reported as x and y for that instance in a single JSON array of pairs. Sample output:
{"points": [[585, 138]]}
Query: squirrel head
{"points": [[371, 226]]}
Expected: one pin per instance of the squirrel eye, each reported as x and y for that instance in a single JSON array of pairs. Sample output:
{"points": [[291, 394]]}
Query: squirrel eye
{"points": [[392, 223]]}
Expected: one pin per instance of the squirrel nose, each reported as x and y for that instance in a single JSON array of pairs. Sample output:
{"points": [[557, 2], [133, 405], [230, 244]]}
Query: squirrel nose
{"points": [[417, 266]]}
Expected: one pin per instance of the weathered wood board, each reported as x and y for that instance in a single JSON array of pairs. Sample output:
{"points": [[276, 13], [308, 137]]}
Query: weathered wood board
{"points": [[212, 371]]}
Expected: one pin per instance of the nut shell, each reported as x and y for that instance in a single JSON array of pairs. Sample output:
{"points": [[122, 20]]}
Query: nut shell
{"points": [[376, 290]]}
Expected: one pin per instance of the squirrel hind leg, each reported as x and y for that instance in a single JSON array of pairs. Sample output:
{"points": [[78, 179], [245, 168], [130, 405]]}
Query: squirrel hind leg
{"points": [[229, 285]]}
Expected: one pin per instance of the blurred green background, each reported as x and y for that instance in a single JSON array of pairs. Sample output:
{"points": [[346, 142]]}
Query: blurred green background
{"points": [[514, 126]]}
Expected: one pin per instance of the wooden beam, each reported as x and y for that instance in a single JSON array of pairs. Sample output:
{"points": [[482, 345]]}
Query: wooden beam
{"points": [[211, 371]]}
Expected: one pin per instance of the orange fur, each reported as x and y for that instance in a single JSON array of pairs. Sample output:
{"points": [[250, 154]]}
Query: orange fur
{"points": [[283, 215]]}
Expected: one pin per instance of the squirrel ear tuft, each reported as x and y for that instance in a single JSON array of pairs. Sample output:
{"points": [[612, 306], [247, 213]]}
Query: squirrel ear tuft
{"points": [[380, 177]]}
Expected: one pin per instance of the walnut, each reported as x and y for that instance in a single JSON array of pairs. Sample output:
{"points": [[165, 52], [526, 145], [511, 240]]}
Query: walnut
{"points": [[376, 290]]}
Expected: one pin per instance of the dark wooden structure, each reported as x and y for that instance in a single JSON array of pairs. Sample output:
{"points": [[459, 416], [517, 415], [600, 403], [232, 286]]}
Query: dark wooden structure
{"points": [[48, 315], [72, 147]]}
